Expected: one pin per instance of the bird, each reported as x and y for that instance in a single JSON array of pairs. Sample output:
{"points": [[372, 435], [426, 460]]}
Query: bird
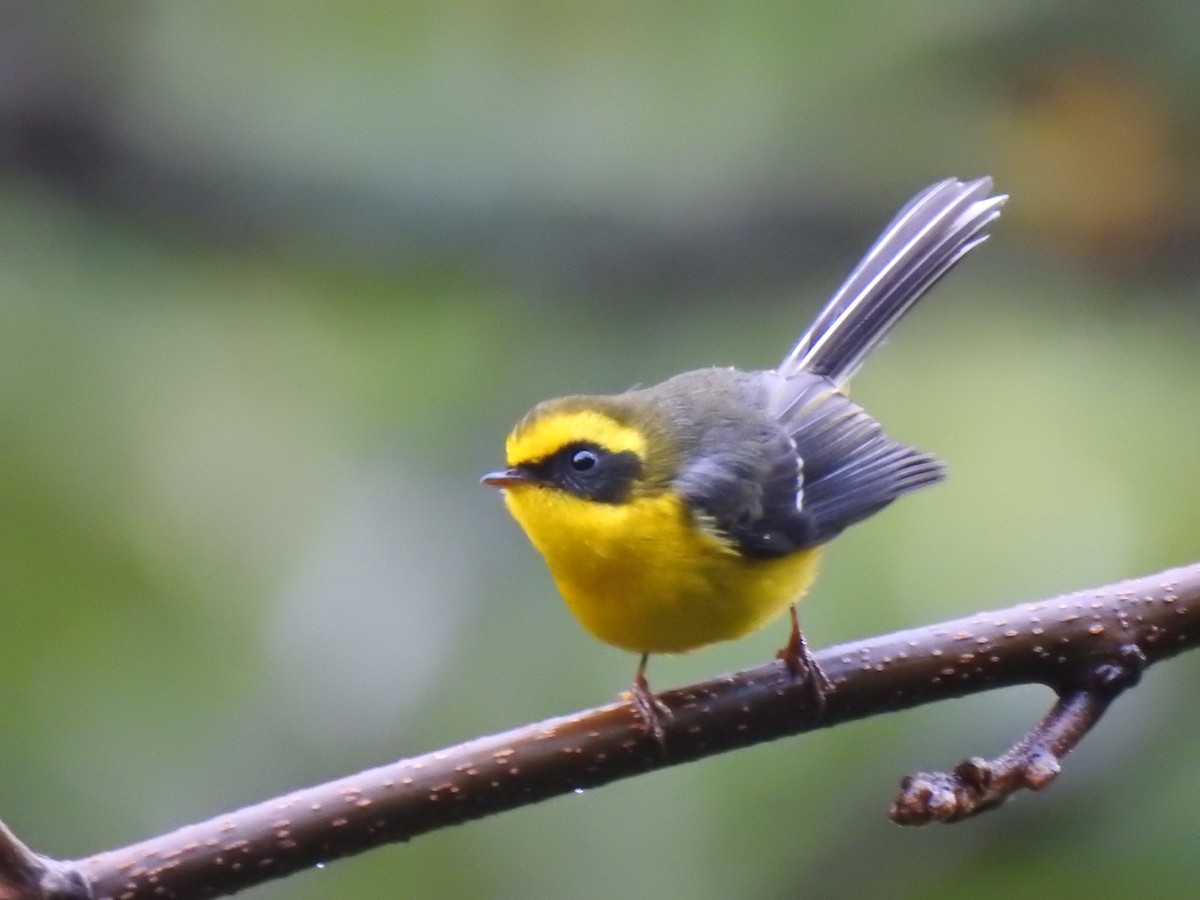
{"points": [[694, 511]]}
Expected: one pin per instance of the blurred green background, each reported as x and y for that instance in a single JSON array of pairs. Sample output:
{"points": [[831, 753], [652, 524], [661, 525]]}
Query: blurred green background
{"points": [[276, 278]]}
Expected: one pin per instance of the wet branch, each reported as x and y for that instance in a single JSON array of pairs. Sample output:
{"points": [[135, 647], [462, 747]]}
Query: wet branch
{"points": [[1088, 647]]}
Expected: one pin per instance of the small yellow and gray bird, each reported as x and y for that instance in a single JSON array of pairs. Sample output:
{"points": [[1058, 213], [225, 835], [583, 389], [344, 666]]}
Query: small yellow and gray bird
{"points": [[694, 511]]}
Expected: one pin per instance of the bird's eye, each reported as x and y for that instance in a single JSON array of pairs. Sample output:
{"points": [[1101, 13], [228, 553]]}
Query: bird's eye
{"points": [[584, 460]]}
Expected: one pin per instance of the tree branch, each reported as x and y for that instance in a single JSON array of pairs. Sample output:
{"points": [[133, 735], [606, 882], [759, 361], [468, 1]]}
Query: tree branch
{"points": [[976, 784], [1088, 647]]}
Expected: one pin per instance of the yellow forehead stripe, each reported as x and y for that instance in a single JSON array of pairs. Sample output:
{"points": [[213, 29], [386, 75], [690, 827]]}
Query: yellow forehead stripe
{"points": [[551, 431]]}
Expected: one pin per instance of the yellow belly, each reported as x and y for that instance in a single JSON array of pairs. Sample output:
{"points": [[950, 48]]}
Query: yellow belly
{"points": [[638, 575]]}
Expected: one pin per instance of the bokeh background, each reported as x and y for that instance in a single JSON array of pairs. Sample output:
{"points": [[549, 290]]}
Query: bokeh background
{"points": [[276, 278]]}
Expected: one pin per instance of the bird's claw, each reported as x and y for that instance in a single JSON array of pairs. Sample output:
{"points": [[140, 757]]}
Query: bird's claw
{"points": [[653, 713], [800, 662]]}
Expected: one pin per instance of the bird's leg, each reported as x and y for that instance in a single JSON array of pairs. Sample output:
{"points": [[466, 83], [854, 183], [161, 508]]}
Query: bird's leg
{"points": [[652, 711], [801, 664]]}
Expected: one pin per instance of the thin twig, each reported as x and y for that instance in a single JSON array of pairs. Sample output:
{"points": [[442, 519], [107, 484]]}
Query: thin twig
{"points": [[976, 785]]}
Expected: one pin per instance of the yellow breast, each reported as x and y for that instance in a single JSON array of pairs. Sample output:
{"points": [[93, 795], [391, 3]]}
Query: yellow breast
{"points": [[639, 575]]}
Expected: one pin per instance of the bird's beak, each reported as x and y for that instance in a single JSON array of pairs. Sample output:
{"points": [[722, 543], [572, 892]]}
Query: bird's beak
{"points": [[507, 478]]}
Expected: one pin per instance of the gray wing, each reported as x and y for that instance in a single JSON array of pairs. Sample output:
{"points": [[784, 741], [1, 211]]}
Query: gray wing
{"points": [[749, 498], [741, 474], [850, 468], [799, 484]]}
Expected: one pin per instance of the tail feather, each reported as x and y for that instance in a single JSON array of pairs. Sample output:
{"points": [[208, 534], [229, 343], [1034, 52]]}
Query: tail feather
{"points": [[929, 235]]}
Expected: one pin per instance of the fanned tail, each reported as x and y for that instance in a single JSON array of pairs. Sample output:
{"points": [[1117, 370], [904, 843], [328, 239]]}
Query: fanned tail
{"points": [[929, 235]]}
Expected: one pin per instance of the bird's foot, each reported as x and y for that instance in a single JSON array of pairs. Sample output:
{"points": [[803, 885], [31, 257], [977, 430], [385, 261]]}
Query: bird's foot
{"points": [[801, 664], [653, 712]]}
